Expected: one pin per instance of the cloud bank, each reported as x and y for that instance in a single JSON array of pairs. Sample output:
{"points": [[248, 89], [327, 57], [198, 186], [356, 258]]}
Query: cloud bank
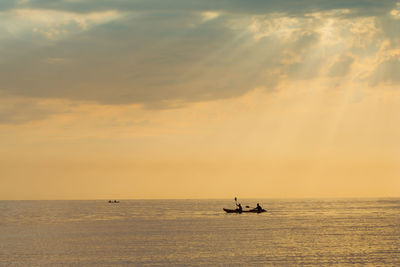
{"points": [[168, 53]]}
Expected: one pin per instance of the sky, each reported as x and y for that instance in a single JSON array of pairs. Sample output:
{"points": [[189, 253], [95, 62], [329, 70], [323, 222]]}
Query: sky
{"points": [[140, 99]]}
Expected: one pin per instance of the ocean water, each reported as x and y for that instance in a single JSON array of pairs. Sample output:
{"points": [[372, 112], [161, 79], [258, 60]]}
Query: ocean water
{"points": [[305, 232]]}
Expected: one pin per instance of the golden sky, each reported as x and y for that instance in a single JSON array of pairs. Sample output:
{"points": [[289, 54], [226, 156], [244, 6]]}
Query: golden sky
{"points": [[199, 99]]}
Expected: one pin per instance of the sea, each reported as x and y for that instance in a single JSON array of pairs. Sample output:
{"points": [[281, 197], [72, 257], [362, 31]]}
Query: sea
{"points": [[294, 232]]}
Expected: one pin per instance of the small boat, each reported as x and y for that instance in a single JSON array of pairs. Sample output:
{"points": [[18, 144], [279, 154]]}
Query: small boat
{"points": [[244, 211]]}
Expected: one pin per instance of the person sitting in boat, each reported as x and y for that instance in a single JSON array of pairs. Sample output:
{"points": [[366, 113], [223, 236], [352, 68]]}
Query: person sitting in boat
{"points": [[239, 207], [258, 208]]}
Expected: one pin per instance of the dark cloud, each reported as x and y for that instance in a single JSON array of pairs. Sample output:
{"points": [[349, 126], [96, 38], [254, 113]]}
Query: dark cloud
{"points": [[342, 66], [387, 72], [18, 112], [295, 7], [8, 4], [147, 60], [391, 28]]}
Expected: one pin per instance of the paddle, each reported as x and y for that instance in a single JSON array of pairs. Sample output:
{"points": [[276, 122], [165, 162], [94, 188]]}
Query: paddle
{"points": [[236, 203]]}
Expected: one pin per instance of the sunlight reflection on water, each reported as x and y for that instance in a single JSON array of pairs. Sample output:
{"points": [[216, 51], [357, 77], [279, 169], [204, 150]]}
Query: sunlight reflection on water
{"points": [[198, 232]]}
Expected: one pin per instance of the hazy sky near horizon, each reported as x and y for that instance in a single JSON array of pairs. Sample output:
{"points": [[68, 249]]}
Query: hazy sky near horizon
{"points": [[199, 99]]}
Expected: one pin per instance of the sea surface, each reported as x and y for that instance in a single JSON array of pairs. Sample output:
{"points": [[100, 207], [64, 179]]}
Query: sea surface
{"points": [[306, 232]]}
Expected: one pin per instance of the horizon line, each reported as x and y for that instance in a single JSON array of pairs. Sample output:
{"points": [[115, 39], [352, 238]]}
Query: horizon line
{"points": [[246, 198]]}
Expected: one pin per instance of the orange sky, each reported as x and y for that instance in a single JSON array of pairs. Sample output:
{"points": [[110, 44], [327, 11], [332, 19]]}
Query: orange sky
{"points": [[191, 101]]}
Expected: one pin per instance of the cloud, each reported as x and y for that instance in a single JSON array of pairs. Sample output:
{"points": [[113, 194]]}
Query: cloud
{"points": [[342, 66], [386, 72], [18, 112], [52, 24], [164, 54], [151, 59], [396, 11], [293, 7], [210, 15]]}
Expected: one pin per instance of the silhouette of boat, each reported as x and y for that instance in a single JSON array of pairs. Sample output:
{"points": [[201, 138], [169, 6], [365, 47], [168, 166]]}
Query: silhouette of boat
{"points": [[244, 211]]}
